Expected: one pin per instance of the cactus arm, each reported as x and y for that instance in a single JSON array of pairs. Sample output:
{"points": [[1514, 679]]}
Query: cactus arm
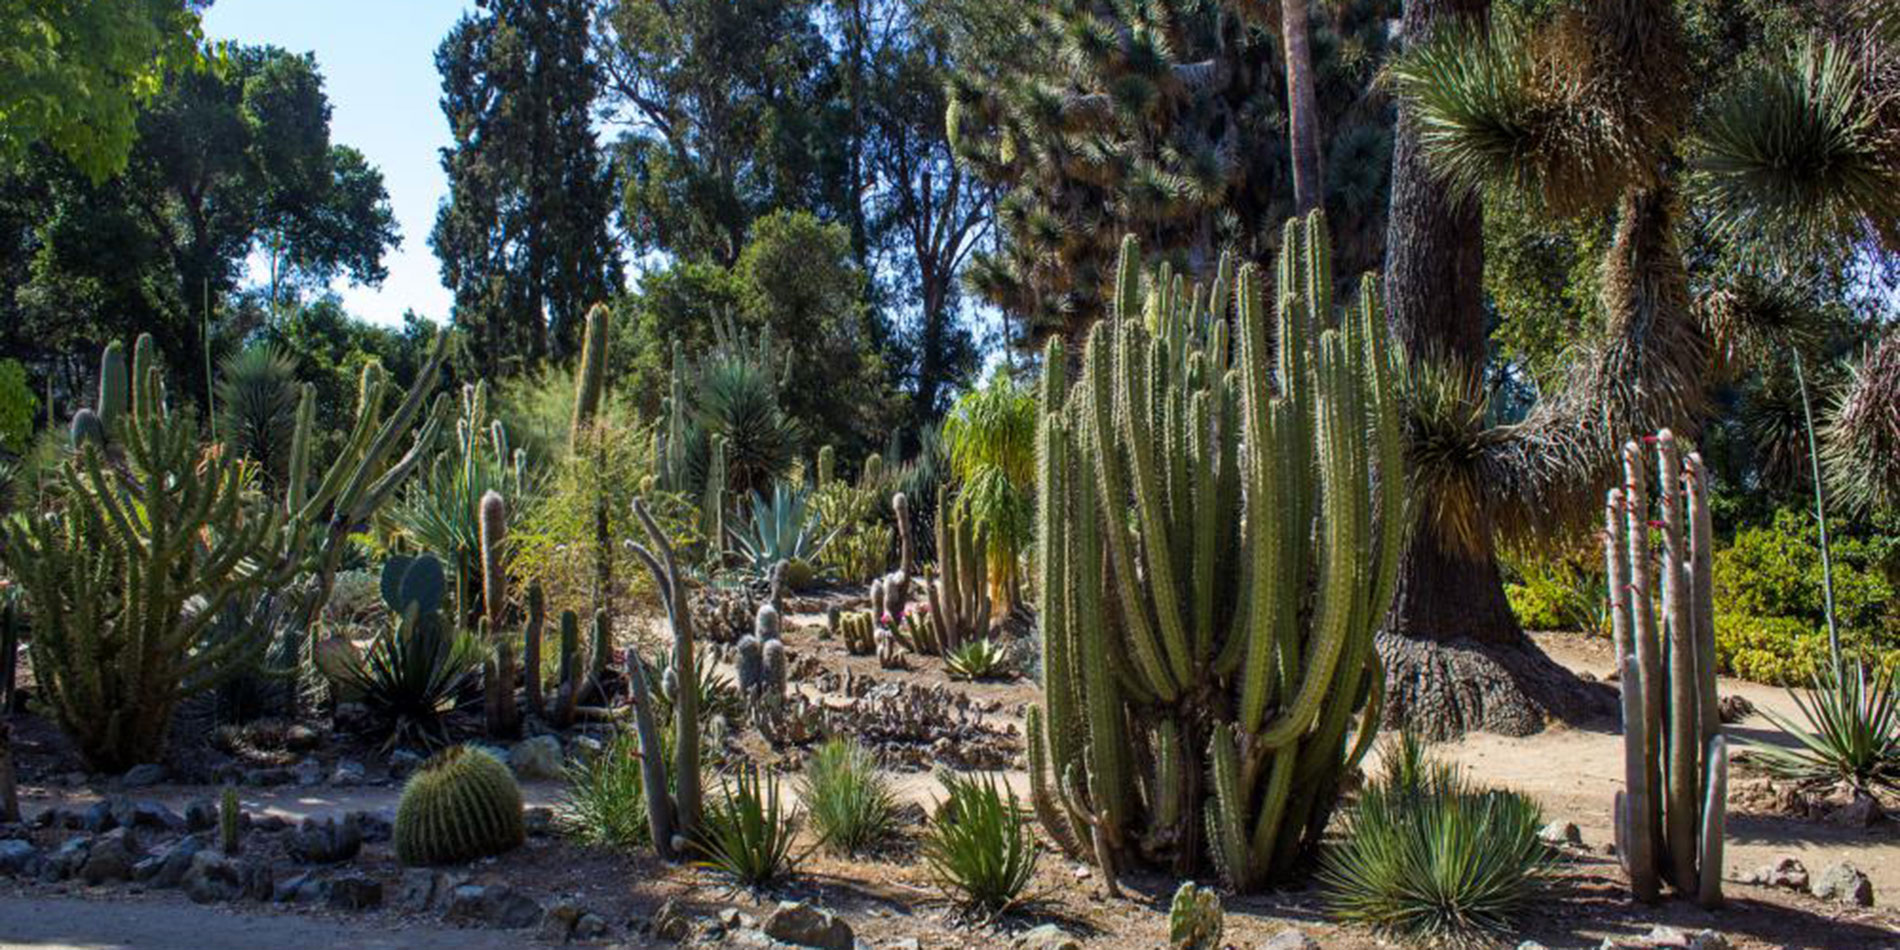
{"points": [[1133, 412], [1684, 738], [1714, 824], [1643, 636], [667, 578], [1042, 798], [531, 649], [652, 759], [1702, 576], [1637, 844]]}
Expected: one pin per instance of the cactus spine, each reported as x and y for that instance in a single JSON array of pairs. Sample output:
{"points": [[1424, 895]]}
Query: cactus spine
{"points": [[672, 811], [1219, 525], [1672, 815], [959, 596]]}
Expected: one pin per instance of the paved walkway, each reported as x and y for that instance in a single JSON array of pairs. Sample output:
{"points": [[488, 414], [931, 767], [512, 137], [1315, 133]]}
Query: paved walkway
{"points": [[65, 923]]}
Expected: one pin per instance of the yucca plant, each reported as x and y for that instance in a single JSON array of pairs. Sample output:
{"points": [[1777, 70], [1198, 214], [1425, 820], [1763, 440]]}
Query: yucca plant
{"points": [[411, 674], [1429, 857], [850, 801], [980, 659], [991, 437], [749, 833], [605, 802], [257, 408], [979, 847], [782, 528], [1853, 730]]}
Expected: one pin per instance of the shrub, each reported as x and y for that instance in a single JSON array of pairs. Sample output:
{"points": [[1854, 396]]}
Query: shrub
{"points": [[460, 805], [1560, 588], [1771, 620], [1852, 734], [849, 799], [414, 670], [979, 847], [606, 803], [749, 834], [1429, 857]]}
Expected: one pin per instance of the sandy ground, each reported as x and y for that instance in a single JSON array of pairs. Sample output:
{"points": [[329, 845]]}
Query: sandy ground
{"points": [[1572, 771]]}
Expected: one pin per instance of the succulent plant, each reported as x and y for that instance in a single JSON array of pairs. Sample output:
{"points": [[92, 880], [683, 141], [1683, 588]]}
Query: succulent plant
{"points": [[1195, 920], [460, 805], [230, 817], [858, 631], [674, 809]]}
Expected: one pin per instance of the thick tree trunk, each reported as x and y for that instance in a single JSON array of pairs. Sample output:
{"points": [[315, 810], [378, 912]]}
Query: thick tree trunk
{"points": [[1455, 657], [1302, 107]]}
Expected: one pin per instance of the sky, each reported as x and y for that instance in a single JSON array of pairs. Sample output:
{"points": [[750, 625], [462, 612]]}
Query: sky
{"points": [[378, 64]]}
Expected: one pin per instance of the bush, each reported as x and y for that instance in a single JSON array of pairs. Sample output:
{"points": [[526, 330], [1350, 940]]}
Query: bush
{"points": [[1563, 589], [979, 847], [749, 834], [1428, 856], [606, 802], [1771, 621], [460, 805], [850, 801]]}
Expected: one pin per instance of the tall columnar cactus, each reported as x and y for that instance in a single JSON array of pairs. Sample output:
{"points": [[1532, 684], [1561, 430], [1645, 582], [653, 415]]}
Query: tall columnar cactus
{"points": [[1220, 511], [571, 672], [673, 809], [531, 649], [498, 670], [960, 594], [590, 377], [230, 817], [712, 502], [827, 466], [1670, 819]]}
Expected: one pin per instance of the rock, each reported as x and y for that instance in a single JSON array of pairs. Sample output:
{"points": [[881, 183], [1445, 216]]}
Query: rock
{"points": [[376, 825], [1669, 938], [201, 814], [305, 888], [1787, 871], [1047, 937], [591, 927], [903, 943], [98, 817], [497, 906], [539, 757], [147, 814], [1291, 938], [168, 867], [402, 762], [800, 923], [1844, 883], [309, 772], [327, 841], [19, 858], [213, 877], [670, 924], [347, 774], [355, 891], [68, 858], [268, 823], [143, 776], [557, 925], [301, 738], [538, 820], [419, 890], [1561, 834], [111, 857], [1733, 708]]}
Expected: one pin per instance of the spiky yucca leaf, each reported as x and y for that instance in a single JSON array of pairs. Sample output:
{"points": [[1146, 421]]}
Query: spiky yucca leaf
{"points": [[979, 659], [748, 834], [1863, 435], [257, 407], [850, 801], [605, 801], [979, 847], [1852, 730]]}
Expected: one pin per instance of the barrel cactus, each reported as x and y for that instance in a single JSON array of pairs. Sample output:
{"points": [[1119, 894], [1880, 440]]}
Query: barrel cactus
{"points": [[460, 805]]}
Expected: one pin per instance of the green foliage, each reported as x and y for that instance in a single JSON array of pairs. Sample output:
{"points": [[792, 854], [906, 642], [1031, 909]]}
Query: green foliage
{"points": [[1863, 435], [1195, 920], [1560, 587], [1429, 857], [979, 659], [849, 799], [257, 408], [413, 671], [1771, 616], [990, 435], [749, 833], [17, 407], [78, 75], [978, 847], [605, 802], [1852, 729], [782, 527], [461, 804]]}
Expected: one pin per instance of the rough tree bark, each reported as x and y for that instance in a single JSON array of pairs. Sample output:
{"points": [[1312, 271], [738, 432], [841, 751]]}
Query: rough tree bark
{"points": [[1302, 107], [1455, 657]]}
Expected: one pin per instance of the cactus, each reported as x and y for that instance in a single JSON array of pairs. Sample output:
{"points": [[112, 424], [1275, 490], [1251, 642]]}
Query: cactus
{"points": [[673, 809], [462, 804], [712, 502], [761, 657], [890, 650], [827, 465], [1671, 817], [87, 429], [499, 668], [960, 595], [1219, 516], [531, 650], [859, 631], [590, 378], [603, 643], [1194, 918], [492, 515], [567, 691], [873, 474], [230, 837], [114, 391]]}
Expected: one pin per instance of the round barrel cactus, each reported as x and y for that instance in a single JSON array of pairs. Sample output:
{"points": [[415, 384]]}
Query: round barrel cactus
{"points": [[460, 805]]}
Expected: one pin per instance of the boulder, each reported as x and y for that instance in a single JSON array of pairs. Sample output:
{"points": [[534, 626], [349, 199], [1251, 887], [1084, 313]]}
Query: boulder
{"points": [[143, 776], [154, 816], [98, 817], [305, 888], [797, 922], [111, 857], [355, 891], [539, 757], [326, 841], [347, 774], [1047, 937], [1846, 884], [166, 868], [420, 889], [67, 859], [213, 878], [19, 858], [1561, 834]]}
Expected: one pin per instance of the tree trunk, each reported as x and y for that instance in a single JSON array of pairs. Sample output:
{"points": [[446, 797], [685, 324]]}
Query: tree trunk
{"points": [[1455, 657], [1302, 107]]}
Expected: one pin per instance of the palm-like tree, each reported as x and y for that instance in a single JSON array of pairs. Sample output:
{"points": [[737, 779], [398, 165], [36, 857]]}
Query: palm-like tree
{"points": [[1591, 109]]}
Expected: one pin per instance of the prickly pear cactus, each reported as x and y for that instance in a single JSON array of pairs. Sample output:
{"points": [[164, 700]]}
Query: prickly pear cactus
{"points": [[1195, 918]]}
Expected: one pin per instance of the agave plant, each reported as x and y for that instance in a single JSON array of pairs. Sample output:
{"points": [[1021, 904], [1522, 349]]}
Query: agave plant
{"points": [[980, 659], [979, 847], [749, 833], [782, 528], [1853, 734], [411, 674]]}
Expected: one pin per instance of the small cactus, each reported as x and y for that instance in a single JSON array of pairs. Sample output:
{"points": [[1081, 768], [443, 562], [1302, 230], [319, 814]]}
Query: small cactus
{"points": [[460, 805], [1194, 919], [859, 633], [749, 664], [229, 817]]}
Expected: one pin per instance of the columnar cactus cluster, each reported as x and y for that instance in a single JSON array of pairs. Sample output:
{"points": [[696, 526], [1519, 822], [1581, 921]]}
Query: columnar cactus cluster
{"points": [[673, 808], [1670, 818], [1220, 506], [960, 594], [858, 629], [498, 670]]}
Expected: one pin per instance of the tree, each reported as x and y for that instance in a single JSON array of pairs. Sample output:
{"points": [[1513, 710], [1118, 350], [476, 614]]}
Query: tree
{"points": [[1164, 120], [226, 163], [1496, 101], [524, 238], [1302, 129], [78, 74]]}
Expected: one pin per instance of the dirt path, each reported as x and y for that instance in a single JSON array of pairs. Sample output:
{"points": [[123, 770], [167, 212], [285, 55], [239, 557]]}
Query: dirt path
{"points": [[68, 923]]}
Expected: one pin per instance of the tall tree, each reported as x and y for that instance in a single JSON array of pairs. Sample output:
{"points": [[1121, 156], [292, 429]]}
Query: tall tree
{"points": [[525, 238], [1302, 105], [225, 163]]}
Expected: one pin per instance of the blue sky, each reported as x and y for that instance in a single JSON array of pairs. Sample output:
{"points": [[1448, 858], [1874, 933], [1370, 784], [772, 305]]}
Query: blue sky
{"points": [[378, 63]]}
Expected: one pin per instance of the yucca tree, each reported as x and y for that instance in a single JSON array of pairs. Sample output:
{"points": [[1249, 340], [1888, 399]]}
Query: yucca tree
{"points": [[1163, 119], [1590, 108], [257, 408]]}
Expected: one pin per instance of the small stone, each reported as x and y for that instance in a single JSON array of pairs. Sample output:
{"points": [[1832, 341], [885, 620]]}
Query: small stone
{"points": [[327, 841], [111, 857], [213, 877], [309, 773], [1047, 937], [98, 817], [201, 814], [355, 891], [347, 774], [1531, 945], [903, 943], [1844, 883], [143, 776], [800, 923], [305, 888], [1787, 871], [402, 762], [376, 825], [591, 927], [498, 906], [148, 814], [538, 820], [1661, 937], [18, 858], [68, 858], [557, 925], [670, 924], [174, 861], [1292, 938], [1733, 708], [1561, 834], [418, 890], [537, 758]]}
